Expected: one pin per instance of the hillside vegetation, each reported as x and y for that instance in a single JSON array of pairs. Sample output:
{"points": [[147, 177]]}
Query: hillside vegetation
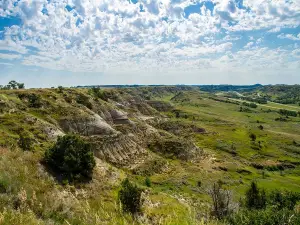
{"points": [[146, 155]]}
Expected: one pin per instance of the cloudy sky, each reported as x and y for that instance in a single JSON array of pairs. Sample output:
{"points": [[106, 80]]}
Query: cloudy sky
{"points": [[76, 42]]}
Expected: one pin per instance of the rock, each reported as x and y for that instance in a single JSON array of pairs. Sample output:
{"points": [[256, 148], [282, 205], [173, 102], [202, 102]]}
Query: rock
{"points": [[87, 126]]}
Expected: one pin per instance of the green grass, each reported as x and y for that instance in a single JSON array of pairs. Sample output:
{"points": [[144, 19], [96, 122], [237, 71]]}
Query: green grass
{"points": [[178, 192]]}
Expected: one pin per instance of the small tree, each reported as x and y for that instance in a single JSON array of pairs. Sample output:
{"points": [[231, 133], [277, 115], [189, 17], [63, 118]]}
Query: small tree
{"points": [[13, 84], [221, 200], [21, 85], [72, 157], [255, 198], [130, 197], [148, 182]]}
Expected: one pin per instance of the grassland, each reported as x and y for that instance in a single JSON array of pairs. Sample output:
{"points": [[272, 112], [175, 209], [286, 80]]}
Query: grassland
{"points": [[179, 188]]}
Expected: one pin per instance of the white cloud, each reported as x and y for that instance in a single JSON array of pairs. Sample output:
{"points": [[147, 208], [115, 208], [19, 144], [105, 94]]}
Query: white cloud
{"points": [[113, 35], [289, 36], [9, 56], [249, 45]]}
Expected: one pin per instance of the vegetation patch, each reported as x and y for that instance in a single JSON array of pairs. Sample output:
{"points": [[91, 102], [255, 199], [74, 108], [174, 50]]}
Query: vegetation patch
{"points": [[71, 158]]}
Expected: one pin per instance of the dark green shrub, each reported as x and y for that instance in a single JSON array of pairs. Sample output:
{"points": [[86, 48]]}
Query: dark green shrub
{"points": [[3, 186], [84, 100], [199, 183], [252, 137], [130, 197], [148, 182], [72, 157], [288, 112], [34, 101], [284, 199], [255, 197]]}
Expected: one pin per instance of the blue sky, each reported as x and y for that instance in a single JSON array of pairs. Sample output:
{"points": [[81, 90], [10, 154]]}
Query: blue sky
{"points": [[75, 42]]}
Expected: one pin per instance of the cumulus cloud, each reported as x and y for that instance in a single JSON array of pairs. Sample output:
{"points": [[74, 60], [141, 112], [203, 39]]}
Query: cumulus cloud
{"points": [[289, 36], [113, 36]]}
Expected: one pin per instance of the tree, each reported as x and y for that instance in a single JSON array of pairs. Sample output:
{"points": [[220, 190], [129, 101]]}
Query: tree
{"points": [[72, 157], [148, 182], [221, 200], [130, 197], [13, 84], [21, 85], [60, 89], [255, 197]]}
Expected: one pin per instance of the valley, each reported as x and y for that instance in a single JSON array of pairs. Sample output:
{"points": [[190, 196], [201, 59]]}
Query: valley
{"points": [[181, 138]]}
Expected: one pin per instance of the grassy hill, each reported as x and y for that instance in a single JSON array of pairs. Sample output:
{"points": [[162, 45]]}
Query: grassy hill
{"points": [[180, 138]]}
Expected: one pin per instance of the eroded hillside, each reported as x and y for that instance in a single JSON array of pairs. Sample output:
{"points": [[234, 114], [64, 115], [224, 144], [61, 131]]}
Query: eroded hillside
{"points": [[183, 139]]}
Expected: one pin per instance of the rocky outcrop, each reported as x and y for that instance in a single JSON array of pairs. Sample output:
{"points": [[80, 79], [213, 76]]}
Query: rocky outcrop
{"points": [[119, 117], [87, 125], [120, 150], [174, 147]]}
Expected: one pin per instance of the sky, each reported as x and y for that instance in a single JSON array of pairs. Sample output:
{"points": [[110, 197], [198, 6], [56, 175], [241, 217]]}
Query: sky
{"points": [[46, 43]]}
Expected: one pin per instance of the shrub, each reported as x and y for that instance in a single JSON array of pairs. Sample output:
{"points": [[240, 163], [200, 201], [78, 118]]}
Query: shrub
{"points": [[285, 199], [3, 186], [221, 200], [72, 157], [288, 112], [34, 100], [60, 89], [25, 142], [148, 182], [84, 100], [252, 137], [255, 197], [130, 197]]}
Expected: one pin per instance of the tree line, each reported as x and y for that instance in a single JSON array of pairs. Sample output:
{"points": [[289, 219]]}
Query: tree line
{"points": [[12, 85]]}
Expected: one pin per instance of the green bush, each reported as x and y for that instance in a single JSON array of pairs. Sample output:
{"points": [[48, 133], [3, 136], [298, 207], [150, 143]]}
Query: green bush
{"points": [[288, 112], [148, 182], [84, 100], [130, 197], [72, 157], [255, 197], [34, 101], [284, 199]]}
